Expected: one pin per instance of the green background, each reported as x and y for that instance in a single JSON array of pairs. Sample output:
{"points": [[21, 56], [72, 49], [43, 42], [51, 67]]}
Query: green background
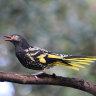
{"points": [[61, 26]]}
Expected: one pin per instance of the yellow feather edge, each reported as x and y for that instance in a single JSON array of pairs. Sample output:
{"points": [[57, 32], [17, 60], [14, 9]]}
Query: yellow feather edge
{"points": [[54, 56], [85, 63], [72, 67], [77, 65]]}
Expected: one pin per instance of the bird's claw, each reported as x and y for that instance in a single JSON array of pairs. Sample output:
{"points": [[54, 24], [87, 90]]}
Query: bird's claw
{"points": [[36, 77]]}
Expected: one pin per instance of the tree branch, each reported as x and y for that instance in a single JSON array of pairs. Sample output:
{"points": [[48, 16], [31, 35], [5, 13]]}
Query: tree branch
{"points": [[47, 79]]}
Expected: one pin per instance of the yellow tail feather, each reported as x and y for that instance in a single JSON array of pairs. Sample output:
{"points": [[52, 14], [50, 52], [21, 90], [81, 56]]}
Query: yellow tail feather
{"points": [[78, 61], [75, 63], [70, 66], [80, 66], [85, 63]]}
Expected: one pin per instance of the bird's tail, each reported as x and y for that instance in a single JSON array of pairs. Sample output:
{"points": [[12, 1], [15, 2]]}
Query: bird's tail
{"points": [[76, 62]]}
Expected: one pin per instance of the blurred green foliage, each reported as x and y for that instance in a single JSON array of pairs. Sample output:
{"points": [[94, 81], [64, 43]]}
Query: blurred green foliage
{"points": [[61, 26]]}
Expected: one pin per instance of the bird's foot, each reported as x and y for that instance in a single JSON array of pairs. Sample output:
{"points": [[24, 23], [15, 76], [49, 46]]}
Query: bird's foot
{"points": [[36, 74]]}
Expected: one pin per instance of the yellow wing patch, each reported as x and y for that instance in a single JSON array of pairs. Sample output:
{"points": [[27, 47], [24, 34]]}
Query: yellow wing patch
{"points": [[54, 56], [41, 58]]}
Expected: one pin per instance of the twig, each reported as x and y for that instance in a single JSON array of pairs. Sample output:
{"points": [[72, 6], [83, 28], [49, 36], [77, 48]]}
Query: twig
{"points": [[47, 79]]}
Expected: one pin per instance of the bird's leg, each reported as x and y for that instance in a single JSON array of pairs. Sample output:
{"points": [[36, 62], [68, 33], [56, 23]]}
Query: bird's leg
{"points": [[36, 74]]}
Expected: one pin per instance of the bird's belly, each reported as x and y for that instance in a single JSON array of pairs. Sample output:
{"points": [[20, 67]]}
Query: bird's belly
{"points": [[28, 63], [33, 65]]}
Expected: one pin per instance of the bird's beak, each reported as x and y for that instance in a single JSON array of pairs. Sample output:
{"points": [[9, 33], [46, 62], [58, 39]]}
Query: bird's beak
{"points": [[8, 38]]}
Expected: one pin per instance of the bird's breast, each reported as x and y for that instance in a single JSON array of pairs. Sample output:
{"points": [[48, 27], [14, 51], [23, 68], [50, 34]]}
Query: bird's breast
{"points": [[28, 61]]}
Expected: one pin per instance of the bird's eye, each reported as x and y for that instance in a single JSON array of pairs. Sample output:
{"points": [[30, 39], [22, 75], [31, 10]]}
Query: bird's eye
{"points": [[16, 38]]}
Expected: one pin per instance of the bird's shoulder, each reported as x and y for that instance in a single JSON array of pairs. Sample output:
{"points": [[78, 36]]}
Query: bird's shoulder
{"points": [[32, 49]]}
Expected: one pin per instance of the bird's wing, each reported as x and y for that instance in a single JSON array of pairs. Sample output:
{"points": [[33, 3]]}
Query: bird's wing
{"points": [[73, 62], [48, 58]]}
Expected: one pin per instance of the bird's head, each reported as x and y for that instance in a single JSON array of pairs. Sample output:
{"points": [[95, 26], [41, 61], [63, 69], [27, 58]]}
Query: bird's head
{"points": [[13, 38], [16, 40]]}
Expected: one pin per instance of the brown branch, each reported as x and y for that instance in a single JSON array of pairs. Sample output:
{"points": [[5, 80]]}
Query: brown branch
{"points": [[47, 79]]}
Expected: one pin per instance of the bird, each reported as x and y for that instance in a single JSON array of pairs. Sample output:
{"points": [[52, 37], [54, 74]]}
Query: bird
{"points": [[36, 58]]}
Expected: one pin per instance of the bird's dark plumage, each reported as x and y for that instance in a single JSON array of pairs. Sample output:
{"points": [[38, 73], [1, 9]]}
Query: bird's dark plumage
{"points": [[38, 59]]}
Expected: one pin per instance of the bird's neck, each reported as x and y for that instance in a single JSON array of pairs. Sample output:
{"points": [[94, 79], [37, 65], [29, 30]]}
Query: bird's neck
{"points": [[23, 45]]}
